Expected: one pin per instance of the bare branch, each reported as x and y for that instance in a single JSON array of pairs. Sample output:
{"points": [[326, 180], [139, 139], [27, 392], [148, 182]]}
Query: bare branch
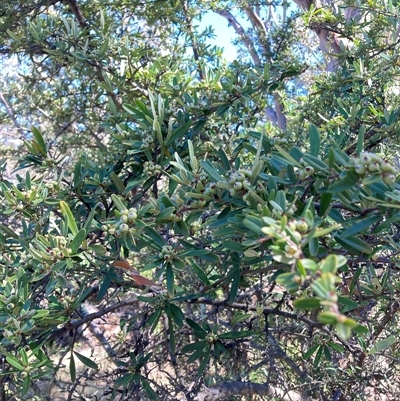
{"points": [[255, 20], [189, 26], [242, 34], [11, 114], [73, 5]]}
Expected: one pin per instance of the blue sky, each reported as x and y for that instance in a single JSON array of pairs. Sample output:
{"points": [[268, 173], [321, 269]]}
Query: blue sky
{"points": [[224, 33]]}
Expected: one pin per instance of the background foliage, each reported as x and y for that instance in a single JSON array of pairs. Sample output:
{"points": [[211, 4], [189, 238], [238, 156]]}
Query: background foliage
{"points": [[221, 229]]}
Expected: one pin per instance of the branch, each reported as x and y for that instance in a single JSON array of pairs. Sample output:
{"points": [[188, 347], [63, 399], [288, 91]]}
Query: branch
{"points": [[255, 20], [266, 311], [242, 34], [11, 114], [329, 43], [73, 5], [248, 389], [189, 26]]}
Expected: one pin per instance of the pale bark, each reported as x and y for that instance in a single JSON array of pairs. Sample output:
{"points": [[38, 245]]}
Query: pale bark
{"points": [[242, 34], [328, 40]]}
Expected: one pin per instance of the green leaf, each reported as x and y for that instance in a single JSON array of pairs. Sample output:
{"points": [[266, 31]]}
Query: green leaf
{"points": [[200, 273], [72, 368], [165, 214], [177, 315], [118, 202], [318, 356], [182, 228], [98, 249], [66, 211], [153, 319], [330, 264], [204, 363], [361, 329], [306, 264], [199, 331], [86, 361], [307, 303], [325, 204], [89, 220], [211, 171], [179, 132], [254, 224], [117, 182], [360, 226], [348, 303], [315, 140], [313, 246], [193, 346], [343, 331], [328, 318], [26, 385], [13, 361], [77, 241], [360, 140], [234, 286], [310, 352], [149, 391], [348, 182], [170, 279], [336, 347], [354, 243], [40, 141], [155, 237], [382, 345]]}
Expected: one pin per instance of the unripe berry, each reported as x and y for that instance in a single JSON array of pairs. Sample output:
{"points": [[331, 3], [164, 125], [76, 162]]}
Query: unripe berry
{"points": [[389, 179], [124, 228], [132, 216], [309, 170], [374, 167], [302, 174], [246, 184], [238, 186], [124, 218], [240, 176], [297, 235], [366, 158], [360, 169], [302, 225]]}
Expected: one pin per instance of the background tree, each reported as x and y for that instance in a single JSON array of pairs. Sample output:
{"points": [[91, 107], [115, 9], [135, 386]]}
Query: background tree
{"points": [[211, 253]]}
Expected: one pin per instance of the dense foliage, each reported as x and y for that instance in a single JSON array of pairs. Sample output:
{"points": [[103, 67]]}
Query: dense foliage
{"points": [[221, 229]]}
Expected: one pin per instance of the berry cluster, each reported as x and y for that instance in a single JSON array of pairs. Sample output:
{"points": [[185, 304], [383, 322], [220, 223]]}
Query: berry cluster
{"points": [[147, 141], [151, 169], [211, 338], [167, 253], [238, 181], [52, 186], [288, 241], [199, 183], [124, 225], [160, 300], [306, 171], [373, 164], [61, 250]]}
